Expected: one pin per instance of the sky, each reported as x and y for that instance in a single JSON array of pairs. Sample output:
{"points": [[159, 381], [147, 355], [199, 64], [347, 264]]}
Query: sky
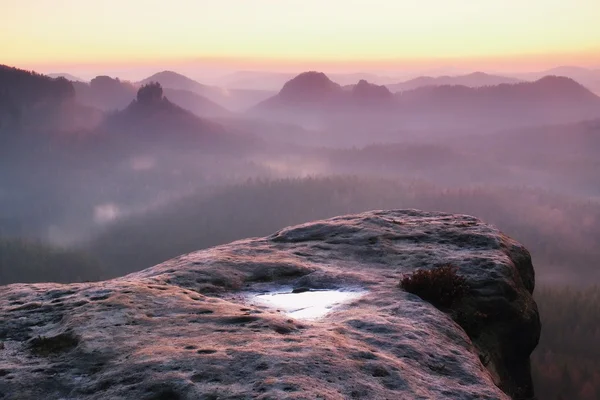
{"points": [[369, 35]]}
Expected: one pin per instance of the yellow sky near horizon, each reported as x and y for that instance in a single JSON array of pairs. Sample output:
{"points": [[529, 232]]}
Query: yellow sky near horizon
{"points": [[379, 33]]}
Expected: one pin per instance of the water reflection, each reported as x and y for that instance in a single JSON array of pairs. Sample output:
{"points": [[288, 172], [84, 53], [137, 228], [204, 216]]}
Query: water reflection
{"points": [[313, 304]]}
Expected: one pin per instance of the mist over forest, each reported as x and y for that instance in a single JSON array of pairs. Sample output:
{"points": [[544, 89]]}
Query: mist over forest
{"points": [[102, 178]]}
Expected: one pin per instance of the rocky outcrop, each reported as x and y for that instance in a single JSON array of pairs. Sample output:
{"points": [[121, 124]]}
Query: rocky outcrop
{"points": [[188, 329]]}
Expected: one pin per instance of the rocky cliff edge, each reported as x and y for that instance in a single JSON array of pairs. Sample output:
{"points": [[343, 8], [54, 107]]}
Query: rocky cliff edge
{"points": [[190, 327]]}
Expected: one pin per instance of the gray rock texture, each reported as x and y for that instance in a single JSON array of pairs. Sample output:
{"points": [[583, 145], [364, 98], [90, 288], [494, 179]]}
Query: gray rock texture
{"points": [[185, 329]]}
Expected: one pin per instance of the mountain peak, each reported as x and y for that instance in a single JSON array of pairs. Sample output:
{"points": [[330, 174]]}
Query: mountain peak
{"points": [[168, 74], [563, 85], [309, 86], [557, 80]]}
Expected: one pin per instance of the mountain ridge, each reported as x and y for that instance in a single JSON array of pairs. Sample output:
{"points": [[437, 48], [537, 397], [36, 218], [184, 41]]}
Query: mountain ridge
{"points": [[313, 97], [475, 79]]}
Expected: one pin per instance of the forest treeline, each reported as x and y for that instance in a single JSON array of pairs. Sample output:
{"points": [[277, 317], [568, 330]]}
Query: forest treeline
{"points": [[27, 98], [561, 232]]}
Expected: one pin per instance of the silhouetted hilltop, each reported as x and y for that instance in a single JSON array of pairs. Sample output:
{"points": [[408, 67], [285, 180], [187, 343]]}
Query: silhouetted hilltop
{"points": [[553, 85], [309, 87], [315, 91], [151, 116], [314, 101], [590, 78], [302, 100], [31, 101], [476, 79], [153, 112]]}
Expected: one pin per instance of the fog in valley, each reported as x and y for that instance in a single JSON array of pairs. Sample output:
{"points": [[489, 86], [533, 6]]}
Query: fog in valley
{"points": [[102, 178]]}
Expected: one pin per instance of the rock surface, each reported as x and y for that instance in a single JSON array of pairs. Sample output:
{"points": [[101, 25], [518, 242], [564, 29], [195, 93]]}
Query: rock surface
{"points": [[185, 329]]}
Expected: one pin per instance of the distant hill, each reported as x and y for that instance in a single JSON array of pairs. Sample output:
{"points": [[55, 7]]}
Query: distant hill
{"points": [[589, 78], [31, 101], [173, 80], [313, 100], [549, 100], [309, 87], [476, 79], [550, 90], [67, 76], [230, 99], [314, 90], [151, 117]]}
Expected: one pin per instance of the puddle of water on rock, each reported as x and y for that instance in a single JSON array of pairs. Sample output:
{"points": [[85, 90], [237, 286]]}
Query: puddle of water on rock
{"points": [[313, 304]]}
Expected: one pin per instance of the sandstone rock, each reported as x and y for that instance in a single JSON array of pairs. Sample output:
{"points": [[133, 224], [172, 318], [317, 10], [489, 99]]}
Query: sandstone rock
{"points": [[186, 329]]}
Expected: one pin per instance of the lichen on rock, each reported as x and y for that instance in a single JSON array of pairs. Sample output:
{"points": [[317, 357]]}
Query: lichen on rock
{"points": [[184, 329]]}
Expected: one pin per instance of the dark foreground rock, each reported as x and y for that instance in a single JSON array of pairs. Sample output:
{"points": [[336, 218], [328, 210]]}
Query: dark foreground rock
{"points": [[185, 329]]}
